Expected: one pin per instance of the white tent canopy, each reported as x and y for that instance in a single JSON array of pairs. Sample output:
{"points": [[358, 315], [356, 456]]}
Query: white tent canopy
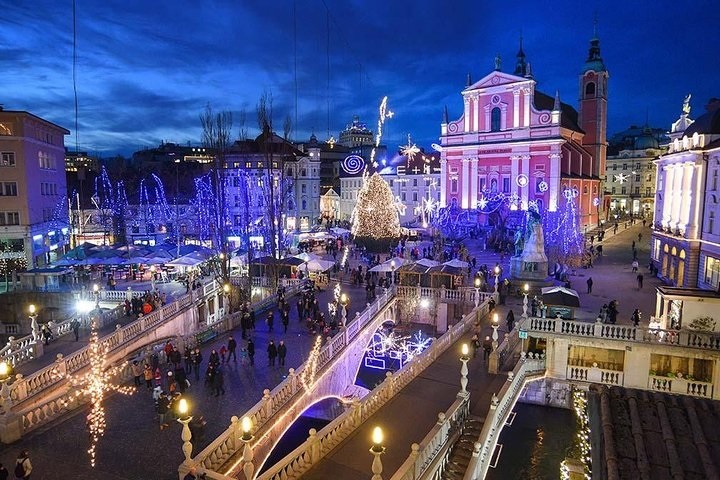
{"points": [[457, 263], [387, 266]]}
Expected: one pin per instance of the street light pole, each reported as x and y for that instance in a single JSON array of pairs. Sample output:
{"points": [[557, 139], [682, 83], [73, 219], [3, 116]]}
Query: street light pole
{"points": [[497, 278], [477, 291], [377, 449], [177, 207], [392, 272], [494, 360], [247, 457], [343, 303], [186, 435], [33, 323], [464, 357], [526, 290]]}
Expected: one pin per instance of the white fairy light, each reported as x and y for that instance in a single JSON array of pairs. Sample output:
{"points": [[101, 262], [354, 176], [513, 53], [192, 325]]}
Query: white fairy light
{"points": [[410, 150], [309, 373]]}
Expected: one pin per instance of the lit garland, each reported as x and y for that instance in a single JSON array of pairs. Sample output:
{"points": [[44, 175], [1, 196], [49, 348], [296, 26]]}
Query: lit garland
{"points": [[384, 114], [343, 261], [309, 373], [375, 214], [332, 306], [582, 440], [95, 384]]}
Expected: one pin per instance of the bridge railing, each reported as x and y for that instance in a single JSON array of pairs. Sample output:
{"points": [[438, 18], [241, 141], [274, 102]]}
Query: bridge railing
{"points": [[462, 294], [321, 443], [25, 387], [430, 458], [215, 455], [527, 369], [19, 351], [627, 333]]}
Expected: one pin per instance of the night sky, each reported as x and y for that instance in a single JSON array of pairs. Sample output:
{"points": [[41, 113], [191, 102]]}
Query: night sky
{"points": [[146, 69]]}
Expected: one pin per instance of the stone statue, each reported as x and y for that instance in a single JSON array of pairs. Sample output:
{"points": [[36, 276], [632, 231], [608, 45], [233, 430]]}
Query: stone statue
{"points": [[519, 242], [686, 104], [498, 62]]}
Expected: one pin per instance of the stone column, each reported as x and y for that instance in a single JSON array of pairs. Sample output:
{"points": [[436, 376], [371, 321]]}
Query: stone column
{"points": [[677, 195], [526, 107], [476, 114], [668, 193], [688, 197], [443, 182], [516, 108], [466, 114], [473, 183], [465, 183]]}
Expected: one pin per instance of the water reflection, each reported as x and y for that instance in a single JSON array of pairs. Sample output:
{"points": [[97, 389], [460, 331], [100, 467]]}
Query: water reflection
{"points": [[535, 444]]}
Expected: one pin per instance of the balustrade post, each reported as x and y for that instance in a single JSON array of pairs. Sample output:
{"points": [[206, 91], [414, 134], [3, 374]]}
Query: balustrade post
{"points": [[414, 454], [356, 412], [597, 328], [557, 324], [444, 424], [314, 446], [391, 384], [235, 432], [267, 403], [37, 348], [60, 365], [683, 338], [292, 379]]}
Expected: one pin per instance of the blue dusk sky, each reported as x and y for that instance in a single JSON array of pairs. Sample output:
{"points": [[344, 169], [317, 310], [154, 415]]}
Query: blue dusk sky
{"points": [[146, 69]]}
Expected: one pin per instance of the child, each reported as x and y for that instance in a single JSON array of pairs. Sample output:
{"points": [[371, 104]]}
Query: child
{"points": [[223, 351]]}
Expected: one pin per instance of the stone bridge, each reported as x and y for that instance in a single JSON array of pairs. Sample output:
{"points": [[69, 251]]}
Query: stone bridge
{"points": [[34, 400], [331, 375]]}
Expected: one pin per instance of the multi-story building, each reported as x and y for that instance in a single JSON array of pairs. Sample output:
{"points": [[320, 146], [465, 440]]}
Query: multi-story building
{"points": [[356, 134], [251, 164], [630, 175], [514, 140], [34, 220], [168, 152], [80, 162], [686, 235], [414, 182]]}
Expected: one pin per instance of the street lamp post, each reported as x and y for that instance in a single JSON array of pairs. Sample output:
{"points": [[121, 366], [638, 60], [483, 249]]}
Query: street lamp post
{"points": [[33, 323], [526, 291], [185, 419], [392, 272], [5, 398], [497, 278], [226, 297], [343, 304], [177, 208], [377, 449], [494, 360], [247, 457], [464, 357], [477, 291], [152, 277], [83, 307], [96, 294]]}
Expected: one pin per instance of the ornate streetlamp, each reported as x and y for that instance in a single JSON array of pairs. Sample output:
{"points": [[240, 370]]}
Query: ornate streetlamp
{"points": [[464, 357], [377, 449], [343, 304], [33, 323], [185, 418], [477, 291], [526, 291], [247, 458]]}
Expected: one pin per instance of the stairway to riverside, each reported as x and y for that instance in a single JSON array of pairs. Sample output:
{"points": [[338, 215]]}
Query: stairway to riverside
{"points": [[462, 450]]}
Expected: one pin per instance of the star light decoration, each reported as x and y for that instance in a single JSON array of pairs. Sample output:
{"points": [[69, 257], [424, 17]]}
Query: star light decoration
{"points": [[96, 384], [621, 177], [409, 150], [389, 345]]}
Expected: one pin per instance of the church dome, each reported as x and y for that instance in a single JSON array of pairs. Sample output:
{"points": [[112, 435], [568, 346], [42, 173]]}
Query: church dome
{"points": [[646, 141]]}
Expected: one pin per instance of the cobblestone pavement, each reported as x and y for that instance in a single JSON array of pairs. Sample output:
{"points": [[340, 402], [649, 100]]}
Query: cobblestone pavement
{"points": [[135, 448]]}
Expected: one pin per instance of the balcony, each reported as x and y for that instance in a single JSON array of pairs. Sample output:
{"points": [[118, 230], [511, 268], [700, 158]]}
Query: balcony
{"points": [[682, 386]]}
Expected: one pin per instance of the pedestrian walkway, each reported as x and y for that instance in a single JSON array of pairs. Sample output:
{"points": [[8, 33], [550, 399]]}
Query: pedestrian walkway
{"points": [[410, 415], [132, 427]]}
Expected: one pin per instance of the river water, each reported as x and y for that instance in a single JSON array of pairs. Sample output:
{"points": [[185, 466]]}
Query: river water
{"points": [[535, 444]]}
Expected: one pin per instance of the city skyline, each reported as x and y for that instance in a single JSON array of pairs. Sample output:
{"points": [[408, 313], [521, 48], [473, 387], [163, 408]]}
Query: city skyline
{"points": [[145, 72]]}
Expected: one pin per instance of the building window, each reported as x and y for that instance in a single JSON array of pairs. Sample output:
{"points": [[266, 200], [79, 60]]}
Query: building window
{"points": [[585, 190], [303, 188], [637, 190], [9, 218], [483, 184], [304, 204], [402, 196], [453, 185], [637, 178], [648, 191], [8, 189], [414, 182], [303, 173], [391, 183], [590, 89], [712, 271], [415, 196], [711, 222], [614, 189], [614, 166], [623, 191], [624, 166], [506, 185], [495, 119], [7, 159]]}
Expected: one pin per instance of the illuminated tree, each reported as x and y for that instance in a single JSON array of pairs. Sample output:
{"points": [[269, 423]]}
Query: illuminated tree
{"points": [[376, 224], [565, 242]]}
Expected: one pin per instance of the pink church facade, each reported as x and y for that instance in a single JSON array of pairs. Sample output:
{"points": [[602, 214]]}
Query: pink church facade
{"points": [[517, 141]]}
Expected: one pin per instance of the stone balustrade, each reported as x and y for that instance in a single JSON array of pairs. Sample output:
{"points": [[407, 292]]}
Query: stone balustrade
{"points": [[40, 397], [626, 333], [218, 453], [321, 443], [527, 369], [430, 458], [682, 386], [460, 295], [594, 375]]}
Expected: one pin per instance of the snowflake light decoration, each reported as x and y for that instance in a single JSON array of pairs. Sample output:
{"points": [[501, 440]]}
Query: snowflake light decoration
{"points": [[410, 150], [543, 186], [522, 180], [401, 208], [621, 177]]}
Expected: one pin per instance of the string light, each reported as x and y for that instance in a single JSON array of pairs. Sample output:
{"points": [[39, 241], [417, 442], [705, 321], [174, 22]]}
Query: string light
{"points": [[96, 384], [581, 445], [410, 150], [309, 373]]}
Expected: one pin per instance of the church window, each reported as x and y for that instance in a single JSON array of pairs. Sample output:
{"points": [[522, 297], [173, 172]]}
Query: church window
{"points": [[495, 120], [590, 89], [585, 190], [493, 185], [304, 204], [453, 185], [711, 222], [506, 185]]}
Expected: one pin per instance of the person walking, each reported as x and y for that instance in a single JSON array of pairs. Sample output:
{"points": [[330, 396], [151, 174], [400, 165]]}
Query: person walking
{"points": [[75, 324], [137, 372], [640, 279], [285, 317], [251, 351], [272, 353], [510, 319], [635, 266], [162, 408], [218, 382], [232, 346], [282, 352], [589, 285], [487, 348], [148, 374], [187, 355], [197, 359], [23, 466], [270, 320], [636, 317]]}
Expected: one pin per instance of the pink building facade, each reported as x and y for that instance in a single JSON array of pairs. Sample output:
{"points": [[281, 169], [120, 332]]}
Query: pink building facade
{"points": [[517, 141]]}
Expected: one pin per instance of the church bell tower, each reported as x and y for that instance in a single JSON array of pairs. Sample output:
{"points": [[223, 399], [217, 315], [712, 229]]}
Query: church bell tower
{"points": [[593, 106]]}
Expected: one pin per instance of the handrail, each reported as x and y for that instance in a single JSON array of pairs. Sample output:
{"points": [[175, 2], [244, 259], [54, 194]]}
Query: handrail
{"points": [[26, 387], [525, 370], [626, 333], [225, 446], [321, 443]]}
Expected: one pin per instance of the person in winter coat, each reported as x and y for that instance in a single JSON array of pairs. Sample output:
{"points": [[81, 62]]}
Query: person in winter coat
{"points": [[251, 351], [282, 352], [272, 353], [197, 359], [23, 466], [218, 382], [148, 373], [232, 346], [137, 372]]}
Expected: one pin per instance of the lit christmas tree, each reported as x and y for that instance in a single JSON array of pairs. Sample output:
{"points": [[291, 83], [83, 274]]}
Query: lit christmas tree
{"points": [[376, 224], [565, 243]]}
